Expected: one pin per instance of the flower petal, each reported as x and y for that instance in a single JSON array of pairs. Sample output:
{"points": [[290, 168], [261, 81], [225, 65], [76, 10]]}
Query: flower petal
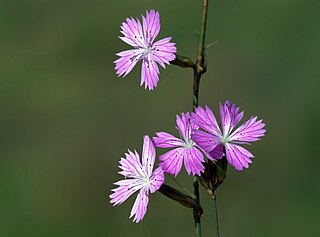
{"points": [[166, 140], [225, 117], [204, 140], [124, 191], [132, 33], [148, 155], [237, 156], [151, 25], [171, 161], [149, 74], [131, 166], [193, 159], [185, 125], [216, 153], [163, 51], [128, 59], [156, 179], [235, 115], [206, 120], [250, 131], [140, 205]]}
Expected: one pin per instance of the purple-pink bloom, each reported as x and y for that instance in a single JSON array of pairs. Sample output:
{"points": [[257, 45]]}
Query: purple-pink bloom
{"points": [[138, 177], [185, 150], [211, 138], [141, 37]]}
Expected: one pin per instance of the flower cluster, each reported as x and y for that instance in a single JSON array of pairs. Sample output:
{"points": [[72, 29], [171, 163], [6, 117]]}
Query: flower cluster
{"points": [[198, 131], [200, 134]]}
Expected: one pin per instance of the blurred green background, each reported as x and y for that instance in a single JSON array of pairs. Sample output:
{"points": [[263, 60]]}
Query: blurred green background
{"points": [[66, 119]]}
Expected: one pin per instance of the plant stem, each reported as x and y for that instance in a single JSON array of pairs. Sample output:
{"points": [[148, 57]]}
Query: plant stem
{"points": [[183, 62], [200, 57], [181, 186], [199, 69], [215, 209], [183, 199], [196, 215]]}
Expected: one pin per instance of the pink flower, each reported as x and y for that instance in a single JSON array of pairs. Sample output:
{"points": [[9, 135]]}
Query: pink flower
{"points": [[185, 150], [211, 138], [141, 38], [138, 177]]}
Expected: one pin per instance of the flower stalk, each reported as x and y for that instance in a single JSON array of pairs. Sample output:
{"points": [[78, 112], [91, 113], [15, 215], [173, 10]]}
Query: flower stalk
{"points": [[183, 62], [199, 69], [183, 199], [216, 215]]}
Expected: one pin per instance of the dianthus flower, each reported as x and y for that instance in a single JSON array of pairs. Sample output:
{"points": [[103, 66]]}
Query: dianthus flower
{"points": [[141, 37], [138, 177], [211, 138], [185, 150]]}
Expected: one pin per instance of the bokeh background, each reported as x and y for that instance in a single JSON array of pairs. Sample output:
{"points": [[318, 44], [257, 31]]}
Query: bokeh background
{"points": [[66, 119]]}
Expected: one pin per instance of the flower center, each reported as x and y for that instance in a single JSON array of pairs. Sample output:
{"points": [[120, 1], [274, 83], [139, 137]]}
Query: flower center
{"points": [[188, 143], [146, 180], [224, 139], [147, 51]]}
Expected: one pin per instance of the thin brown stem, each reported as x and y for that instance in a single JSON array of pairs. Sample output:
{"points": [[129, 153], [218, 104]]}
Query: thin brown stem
{"points": [[199, 69], [183, 62], [184, 199]]}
